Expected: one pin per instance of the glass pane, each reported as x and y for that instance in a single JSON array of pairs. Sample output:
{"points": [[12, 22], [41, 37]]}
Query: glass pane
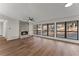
{"points": [[60, 34], [44, 30], [60, 29], [61, 26], [72, 35], [35, 32], [39, 29], [35, 28], [72, 29], [51, 30], [39, 32]]}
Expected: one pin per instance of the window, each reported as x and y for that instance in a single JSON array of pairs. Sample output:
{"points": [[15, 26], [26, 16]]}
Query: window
{"points": [[68, 30], [35, 29], [44, 29], [60, 29], [39, 29], [51, 30], [71, 29]]}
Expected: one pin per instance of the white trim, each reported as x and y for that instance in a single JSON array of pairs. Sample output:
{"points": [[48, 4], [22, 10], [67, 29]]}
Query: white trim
{"points": [[60, 39], [55, 28], [4, 28]]}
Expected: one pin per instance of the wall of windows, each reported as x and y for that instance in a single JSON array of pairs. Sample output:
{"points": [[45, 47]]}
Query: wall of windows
{"points": [[44, 29], [67, 29]]}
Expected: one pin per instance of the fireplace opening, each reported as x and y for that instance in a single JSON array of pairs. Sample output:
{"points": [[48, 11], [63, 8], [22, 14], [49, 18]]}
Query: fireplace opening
{"points": [[24, 33]]}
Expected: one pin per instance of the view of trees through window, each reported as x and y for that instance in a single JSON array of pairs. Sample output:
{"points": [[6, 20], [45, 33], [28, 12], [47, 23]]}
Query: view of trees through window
{"points": [[69, 29], [35, 28], [44, 29], [51, 30], [60, 29], [39, 29]]}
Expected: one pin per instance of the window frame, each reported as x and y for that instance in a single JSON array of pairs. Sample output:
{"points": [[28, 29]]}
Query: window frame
{"points": [[35, 29], [43, 30], [65, 31], [72, 31], [39, 30]]}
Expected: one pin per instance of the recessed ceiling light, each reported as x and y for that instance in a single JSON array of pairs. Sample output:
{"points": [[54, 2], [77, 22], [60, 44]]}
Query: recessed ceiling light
{"points": [[68, 4]]}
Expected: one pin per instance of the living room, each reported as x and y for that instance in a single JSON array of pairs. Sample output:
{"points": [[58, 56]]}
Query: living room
{"points": [[39, 29]]}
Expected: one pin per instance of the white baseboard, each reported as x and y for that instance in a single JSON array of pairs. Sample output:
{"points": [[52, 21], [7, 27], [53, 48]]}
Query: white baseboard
{"points": [[59, 39], [12, 37]]}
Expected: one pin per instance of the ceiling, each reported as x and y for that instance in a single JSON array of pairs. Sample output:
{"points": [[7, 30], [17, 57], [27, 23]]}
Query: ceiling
{"points": [[39, 11]]}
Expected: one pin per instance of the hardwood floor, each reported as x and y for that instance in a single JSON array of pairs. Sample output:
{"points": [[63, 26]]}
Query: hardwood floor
{"points": [[37, 46]]}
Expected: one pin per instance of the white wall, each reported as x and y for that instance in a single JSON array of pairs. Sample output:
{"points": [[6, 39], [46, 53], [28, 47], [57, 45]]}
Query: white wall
{"points": [[4, 27], [24, 26], [12, 29], [63, 19], [30, 28]]}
